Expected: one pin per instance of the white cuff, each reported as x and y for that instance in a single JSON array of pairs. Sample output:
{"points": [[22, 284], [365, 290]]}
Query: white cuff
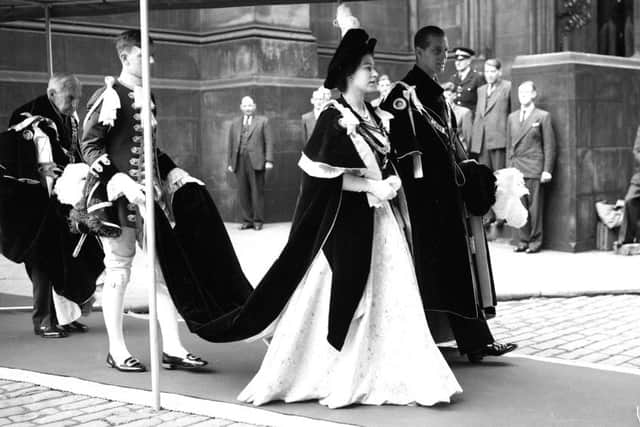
{"points": [[115, 186]]}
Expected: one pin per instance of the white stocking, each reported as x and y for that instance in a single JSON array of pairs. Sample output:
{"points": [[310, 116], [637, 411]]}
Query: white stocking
{"points": [[118, 256], [168, 319], [115, 286]]}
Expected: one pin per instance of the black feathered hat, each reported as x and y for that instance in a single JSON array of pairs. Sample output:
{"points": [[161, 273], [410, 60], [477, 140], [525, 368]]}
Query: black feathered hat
{"points": [[354, 45]]}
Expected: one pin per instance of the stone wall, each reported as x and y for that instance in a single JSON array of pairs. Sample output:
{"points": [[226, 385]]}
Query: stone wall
{"points": [[594, 101]]}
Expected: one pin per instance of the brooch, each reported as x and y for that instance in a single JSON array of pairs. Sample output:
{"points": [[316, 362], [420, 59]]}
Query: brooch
{"points": [[27, 135], [399, 104]]}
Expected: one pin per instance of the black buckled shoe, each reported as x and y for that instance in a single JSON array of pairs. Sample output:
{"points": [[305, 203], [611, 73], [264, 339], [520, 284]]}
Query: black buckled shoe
{"points": [[50, 332], [188, 362], [130, 364], [493, 349], [75, 327]]}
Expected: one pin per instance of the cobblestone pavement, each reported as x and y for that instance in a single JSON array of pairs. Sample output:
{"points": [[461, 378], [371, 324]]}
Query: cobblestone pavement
{"points": [[600, 329], [24, 404]]}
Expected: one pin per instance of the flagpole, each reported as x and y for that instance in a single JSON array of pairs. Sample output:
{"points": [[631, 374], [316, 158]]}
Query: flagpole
{"points": [[149, 218]]}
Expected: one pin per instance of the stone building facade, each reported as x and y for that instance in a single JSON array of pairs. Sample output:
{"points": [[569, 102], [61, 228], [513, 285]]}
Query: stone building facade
{"points": [[206, 60]]}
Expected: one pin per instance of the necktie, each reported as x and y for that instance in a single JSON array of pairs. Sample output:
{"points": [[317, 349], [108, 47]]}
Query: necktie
{"points": [[523, 114], [247, 120]]}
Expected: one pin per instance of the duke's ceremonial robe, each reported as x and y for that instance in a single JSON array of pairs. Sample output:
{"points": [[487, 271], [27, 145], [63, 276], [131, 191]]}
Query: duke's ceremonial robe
{"points": [[450, 253], [490, 123], [308, 124], [33, 224], [196, 256], [339, 223], [466, 89]]}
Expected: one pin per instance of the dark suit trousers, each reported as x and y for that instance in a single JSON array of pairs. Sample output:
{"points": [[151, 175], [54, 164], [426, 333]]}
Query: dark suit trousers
{"points": [[630, 228], [44, 313], [531, 233], [470, 334], [250, 190], [495, 159]]}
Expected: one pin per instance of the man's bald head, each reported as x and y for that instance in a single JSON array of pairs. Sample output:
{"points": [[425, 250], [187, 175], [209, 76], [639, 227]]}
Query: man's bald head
{"points": [[247, 106], [64, 91]]}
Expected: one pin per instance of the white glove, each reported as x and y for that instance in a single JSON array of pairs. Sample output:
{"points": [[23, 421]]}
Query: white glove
{"points": [[178, 177], [545, 177], [382, 190], [121, 184], [394, 182]]}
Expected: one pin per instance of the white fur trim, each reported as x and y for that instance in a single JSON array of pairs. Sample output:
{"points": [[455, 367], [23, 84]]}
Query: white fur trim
{"points": [[510, 188], [69, 186]]}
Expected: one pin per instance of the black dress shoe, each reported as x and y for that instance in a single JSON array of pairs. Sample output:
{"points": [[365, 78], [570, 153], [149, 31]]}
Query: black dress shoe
{"points": [[257, 226], [493, 349], [50, 332], [188, 362], [130, 364], [532, 250], [75, 327], [498, 349], [520, 248], [246, 226]]}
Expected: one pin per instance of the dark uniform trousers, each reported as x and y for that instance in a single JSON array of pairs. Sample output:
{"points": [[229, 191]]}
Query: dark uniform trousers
{"points": [[531, 233], [37, 266], [250, 184], [470, 334]]}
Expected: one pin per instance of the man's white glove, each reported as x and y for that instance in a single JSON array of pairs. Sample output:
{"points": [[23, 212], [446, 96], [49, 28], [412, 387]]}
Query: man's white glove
{"points": [[121, 184], [545, 177], [177, 177]]}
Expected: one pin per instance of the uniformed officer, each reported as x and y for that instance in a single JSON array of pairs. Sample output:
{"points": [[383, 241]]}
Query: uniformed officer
{"points": [[466, 80]]}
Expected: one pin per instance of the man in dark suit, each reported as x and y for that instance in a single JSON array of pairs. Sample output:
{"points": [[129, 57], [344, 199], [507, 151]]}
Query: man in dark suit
{"points": [[319, 99], [489, 140], [466, 80], [250, 154], [531, 149], [630, 230], [59, 105]]}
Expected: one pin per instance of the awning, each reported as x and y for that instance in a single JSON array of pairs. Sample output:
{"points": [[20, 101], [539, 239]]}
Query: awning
{"points": [[12, 10]]}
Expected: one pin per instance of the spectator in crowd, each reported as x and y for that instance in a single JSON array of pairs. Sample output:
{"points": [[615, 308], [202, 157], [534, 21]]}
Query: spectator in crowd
{"points": [[630, 229], [531, 149], [250, 154], [384, 87], [319, 100], [490, 122], [466, 80], [490, 126], [464, 121]]}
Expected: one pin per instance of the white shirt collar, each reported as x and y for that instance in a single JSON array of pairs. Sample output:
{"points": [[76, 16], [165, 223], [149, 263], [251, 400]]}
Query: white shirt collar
{"points": [[465, 73], [527, 110]]}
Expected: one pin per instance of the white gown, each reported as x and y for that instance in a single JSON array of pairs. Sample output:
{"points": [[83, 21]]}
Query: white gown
{"points": [[389, 356]]}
